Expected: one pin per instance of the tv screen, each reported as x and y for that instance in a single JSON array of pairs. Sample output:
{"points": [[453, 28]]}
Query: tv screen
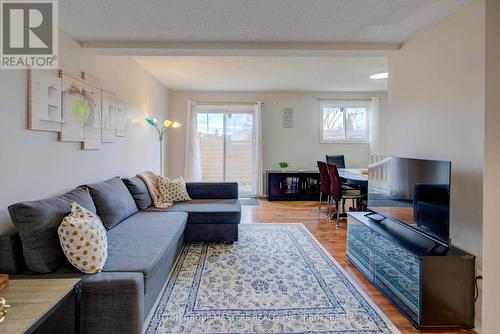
{"points": [[412, 191]]}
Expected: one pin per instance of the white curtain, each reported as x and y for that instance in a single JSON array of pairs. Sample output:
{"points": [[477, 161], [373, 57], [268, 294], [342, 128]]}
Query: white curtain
{"points": [[374, 121], [257, 168], [192, 163]]}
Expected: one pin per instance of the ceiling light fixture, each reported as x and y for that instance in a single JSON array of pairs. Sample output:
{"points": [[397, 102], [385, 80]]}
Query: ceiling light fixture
{"points": [[379, 76]]}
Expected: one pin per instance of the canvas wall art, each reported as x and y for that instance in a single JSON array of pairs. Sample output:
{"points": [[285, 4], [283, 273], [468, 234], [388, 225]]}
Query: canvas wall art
{"points": [[44, 110], [75, 110], [121, 118], [76, 107], [92, 137], [108, 116], [288, 118], [81, 112]]}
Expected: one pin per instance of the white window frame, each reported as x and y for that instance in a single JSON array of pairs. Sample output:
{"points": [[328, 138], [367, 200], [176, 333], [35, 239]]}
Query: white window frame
{"points": [[345, 104]]}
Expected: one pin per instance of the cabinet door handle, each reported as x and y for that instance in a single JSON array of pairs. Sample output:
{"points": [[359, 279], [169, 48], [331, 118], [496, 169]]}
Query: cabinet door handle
{"points": [[280, 185]]}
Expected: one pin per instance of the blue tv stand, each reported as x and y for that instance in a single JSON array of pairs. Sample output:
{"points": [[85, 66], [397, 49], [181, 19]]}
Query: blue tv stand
{"points": [[431, 284]]}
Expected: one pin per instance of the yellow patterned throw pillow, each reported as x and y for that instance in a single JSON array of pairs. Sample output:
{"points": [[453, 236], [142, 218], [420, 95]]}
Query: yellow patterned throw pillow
{"points": [[83, 240], [173, 190]]}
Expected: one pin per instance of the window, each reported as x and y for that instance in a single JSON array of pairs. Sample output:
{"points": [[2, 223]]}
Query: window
{"points": [[344, 121]]}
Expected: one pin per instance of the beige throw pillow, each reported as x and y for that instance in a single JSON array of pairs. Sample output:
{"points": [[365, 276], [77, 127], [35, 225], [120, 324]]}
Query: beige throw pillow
{"points": [[83, 240], [173, 190]]}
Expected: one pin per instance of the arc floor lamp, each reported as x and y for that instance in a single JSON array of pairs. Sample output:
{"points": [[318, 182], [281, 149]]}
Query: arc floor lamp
{"points": [[161, 132]]}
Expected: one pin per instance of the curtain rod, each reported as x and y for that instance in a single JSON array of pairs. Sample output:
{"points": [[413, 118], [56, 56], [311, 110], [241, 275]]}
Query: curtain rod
{"points": [[225, 103], [346, 99]]}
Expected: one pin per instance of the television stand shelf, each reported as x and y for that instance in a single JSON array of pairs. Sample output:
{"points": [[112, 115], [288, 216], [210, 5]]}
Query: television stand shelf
{"points": [[433, 286]]}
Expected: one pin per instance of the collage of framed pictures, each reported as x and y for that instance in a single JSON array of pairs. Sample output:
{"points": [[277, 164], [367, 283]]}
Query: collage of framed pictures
{"points": [[77, 107]]}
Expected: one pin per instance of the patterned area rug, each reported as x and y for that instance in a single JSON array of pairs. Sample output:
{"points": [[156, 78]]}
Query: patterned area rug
{"points": [[276, 279]]}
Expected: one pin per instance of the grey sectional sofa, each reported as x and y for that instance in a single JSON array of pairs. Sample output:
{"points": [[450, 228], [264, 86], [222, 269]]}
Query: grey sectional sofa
{"points": [[143, 245]]}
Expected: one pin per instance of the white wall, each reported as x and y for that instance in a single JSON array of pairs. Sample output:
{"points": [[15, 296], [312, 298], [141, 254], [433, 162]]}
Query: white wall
{"points": [[299, 145], [35, 165], [436, 111], [491, 226]]}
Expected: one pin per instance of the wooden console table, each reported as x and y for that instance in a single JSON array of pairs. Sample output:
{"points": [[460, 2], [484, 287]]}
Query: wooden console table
{"points": [[431, 284], [32, 301]]}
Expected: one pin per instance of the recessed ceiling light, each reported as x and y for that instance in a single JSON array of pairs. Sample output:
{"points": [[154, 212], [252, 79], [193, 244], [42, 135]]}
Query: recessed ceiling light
{"points": [[378, 76]]}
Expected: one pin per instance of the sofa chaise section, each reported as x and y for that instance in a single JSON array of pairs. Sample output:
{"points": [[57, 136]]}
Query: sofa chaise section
{"points": [[213, 213], [210, 219]]}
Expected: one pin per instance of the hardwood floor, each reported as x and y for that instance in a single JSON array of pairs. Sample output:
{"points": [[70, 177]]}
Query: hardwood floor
{"points": [[334, 240]]}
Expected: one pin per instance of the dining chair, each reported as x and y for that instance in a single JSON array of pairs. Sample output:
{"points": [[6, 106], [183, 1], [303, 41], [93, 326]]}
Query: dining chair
{"points": [[337, 160], [324, 183], [338, 194]]}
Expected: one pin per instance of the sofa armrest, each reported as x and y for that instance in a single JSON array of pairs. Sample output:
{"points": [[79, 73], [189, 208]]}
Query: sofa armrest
{"points": [[212, 190], [11, 254], [113, 302]]}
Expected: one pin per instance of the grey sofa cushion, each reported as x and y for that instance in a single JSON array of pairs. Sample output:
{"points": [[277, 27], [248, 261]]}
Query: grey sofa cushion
{"points": [[141, 242], [212, 190], [113, 201], [37, 223], [207, 211], [139, 192]]}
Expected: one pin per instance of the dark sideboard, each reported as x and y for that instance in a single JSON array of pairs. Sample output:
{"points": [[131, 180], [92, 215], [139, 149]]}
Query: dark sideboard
{"points": [[303, 185], [292, 185], [432, 285]]}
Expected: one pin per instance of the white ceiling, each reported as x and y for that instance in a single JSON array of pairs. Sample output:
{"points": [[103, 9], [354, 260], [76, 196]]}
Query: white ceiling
{"points": [[267, 73], [297, 38], [327, 21]]}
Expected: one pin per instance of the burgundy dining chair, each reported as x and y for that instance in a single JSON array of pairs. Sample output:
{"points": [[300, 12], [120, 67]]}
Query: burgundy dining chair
{"points": [[324, 184], [337, 193]]}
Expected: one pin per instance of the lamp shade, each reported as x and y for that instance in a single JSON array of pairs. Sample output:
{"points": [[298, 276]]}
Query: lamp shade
{"points": [[166, 123]]}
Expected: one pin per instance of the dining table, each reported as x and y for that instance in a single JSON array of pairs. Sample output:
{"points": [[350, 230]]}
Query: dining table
{"points": [[354, 177]]}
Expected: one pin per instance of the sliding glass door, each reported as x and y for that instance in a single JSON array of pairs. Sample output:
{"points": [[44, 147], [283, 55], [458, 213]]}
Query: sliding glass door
{"points": [[227, 145], [240, 151], [211, 134]]}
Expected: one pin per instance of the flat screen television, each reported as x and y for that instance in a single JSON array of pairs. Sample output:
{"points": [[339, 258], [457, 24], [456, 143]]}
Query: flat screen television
{"points": [[414, 192]]}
